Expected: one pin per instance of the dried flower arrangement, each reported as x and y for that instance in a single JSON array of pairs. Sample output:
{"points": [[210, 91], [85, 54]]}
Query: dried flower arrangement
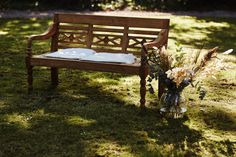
{"points": [[178, 70]]}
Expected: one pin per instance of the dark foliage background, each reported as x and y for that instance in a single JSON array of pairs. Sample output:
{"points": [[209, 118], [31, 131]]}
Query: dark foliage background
{"points": [[50, 4], [199, 5], [161, 5]]}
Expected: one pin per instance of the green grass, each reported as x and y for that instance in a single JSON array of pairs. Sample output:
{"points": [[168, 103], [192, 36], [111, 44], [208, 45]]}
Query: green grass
{"points": [[97, 114]]}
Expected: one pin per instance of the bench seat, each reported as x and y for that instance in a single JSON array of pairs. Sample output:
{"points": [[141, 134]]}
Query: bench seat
{"points": [[41, 60]]}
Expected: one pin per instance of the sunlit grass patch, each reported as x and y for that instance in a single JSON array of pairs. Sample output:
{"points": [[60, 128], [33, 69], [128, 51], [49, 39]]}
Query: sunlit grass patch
{"points": [[3, 32], [16, 119], [110, 148], [76, 120], [196, 32]]}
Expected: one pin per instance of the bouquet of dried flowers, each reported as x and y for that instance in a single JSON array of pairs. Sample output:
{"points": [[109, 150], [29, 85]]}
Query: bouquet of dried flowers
{"points": [[178, 70]]}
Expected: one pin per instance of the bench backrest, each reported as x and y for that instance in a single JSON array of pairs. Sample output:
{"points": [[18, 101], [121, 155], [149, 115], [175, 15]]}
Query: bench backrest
{"points": [[106, 33]]}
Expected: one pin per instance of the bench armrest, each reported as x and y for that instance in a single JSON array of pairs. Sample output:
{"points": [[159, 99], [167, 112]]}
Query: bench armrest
{"points": [[46, 35], [160, 41]]}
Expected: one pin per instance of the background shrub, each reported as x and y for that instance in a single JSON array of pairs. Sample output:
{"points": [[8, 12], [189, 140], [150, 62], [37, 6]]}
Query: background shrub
{"points": [[161, 5]]}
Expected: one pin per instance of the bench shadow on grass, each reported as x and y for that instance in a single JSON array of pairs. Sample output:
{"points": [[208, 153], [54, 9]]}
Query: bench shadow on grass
{"points": [[94, 122]]}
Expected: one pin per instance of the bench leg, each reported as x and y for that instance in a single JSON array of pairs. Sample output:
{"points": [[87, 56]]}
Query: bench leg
{"points": [[142, 90], [30, 78], [161, 88], [54, 76]]}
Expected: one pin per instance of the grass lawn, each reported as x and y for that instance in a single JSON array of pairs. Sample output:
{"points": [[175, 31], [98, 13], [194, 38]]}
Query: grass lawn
{"points": [[97, 114]]}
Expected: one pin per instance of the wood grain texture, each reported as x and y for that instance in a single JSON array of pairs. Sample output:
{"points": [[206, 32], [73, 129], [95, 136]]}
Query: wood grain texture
{"points": [[113, 20], [104, 34]]}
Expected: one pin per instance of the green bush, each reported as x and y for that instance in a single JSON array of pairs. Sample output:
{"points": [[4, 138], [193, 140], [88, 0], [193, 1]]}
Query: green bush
{"points": [[161, 5], [183, 5], [50, 4]]}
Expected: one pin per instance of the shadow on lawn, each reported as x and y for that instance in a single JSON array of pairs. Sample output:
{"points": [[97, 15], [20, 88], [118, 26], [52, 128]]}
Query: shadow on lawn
{"points": [[80, 118], [207, 31], [86, 123], [221, 120]]}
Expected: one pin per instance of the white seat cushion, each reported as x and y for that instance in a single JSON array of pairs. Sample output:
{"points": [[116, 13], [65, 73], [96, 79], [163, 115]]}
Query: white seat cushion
{"points": [[71, 53], [111, 57], [91, 55]]}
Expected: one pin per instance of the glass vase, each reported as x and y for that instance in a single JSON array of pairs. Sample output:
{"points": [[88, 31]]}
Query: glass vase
{"points": [[173, 104]]}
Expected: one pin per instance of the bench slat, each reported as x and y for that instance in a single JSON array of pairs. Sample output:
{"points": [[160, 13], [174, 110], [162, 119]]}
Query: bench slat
{"points": [[69, 32], [107, 30], [113, 20], [64, 46], [65, 27], [143, 32], [68, 42]]}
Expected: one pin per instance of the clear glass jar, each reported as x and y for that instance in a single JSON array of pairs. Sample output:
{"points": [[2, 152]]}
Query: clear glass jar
{"points": [[173, 104]]}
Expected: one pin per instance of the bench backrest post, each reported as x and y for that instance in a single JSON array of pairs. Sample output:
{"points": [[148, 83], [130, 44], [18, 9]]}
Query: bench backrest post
{"points": [[125, 39], [54, 40]]}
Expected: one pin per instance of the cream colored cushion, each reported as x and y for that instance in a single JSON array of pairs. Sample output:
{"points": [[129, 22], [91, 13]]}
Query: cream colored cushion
{"points": [[111, 57], [71, 53], [91, 55]]}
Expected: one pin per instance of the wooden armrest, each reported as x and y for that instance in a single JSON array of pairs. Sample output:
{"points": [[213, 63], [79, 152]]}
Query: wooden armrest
{"points": [[160, 41], [46, 35]]}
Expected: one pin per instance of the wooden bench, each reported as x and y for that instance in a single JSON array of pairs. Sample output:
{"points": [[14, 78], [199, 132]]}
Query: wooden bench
{"points": [[104, 34]]}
